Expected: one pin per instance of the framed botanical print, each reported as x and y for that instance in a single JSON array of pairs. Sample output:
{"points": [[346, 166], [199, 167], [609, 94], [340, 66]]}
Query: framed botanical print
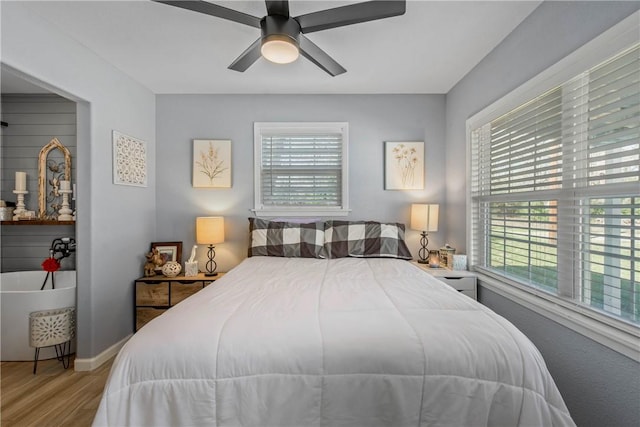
{"points": [[211, 163], [404, 166]]}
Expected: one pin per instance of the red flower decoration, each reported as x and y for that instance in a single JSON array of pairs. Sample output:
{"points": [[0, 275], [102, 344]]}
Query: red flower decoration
{"points": [[51, 265]]}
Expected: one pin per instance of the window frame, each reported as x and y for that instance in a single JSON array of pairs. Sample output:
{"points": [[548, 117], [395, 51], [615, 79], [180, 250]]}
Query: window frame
{"points": [[259, 128], [614, 333]]}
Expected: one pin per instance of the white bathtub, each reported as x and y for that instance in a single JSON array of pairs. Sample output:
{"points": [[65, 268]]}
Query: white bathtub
{"points": [[20, 295]]}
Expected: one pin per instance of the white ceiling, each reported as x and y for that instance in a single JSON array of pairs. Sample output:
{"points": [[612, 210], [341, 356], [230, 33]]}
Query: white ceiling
{"points": [[172, 50]]}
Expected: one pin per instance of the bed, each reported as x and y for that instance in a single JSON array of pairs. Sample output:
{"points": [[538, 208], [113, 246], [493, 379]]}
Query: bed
{"points": [[351, 341]]}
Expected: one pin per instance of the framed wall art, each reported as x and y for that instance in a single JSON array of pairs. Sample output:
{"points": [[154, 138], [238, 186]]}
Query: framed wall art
{"points": [[211, 163], [129, 160], [168, 251], [404, 165]]}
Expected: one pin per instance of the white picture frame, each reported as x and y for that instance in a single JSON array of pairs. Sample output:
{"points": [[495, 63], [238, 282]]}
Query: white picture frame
{"points": [[211, 163], [129, 160], [404, 165]]}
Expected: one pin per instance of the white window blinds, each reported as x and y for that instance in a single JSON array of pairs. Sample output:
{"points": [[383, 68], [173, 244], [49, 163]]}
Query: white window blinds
{"points": [[556, 189], [301, 168], [526, 147]]}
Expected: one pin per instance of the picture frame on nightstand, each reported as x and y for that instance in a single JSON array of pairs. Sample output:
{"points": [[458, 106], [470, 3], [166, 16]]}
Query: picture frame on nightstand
{"points": [[169, 251]]}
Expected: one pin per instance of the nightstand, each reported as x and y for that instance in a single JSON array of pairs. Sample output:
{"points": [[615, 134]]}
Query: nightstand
{"points": [[156, 294], [464, 282]]}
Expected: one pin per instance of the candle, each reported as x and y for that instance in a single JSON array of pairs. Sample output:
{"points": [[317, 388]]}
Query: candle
{"points": [[21, 181], [65, 185], [434, 259]]}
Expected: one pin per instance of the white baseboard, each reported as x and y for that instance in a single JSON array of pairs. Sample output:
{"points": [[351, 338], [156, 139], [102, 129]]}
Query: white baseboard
{"points": [[96, 362]]}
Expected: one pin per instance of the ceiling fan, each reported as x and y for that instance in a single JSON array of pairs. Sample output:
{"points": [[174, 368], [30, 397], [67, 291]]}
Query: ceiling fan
{"points": [[282, 36]]}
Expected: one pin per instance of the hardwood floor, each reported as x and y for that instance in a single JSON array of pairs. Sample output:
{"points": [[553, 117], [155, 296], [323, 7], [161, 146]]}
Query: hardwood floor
{"points": [[52, 397]]}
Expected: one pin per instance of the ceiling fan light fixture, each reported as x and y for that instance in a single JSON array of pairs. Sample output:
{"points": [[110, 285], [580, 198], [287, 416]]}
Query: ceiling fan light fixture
{"points": [[282, 37], [279, 48]]}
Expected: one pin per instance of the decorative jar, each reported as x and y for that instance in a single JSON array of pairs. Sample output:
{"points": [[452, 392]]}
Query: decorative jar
{"points": [[446, 256], [171, 268]]}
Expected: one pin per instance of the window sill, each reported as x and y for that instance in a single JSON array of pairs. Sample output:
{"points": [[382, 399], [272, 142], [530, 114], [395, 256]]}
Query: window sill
{"points": [[300, 212], [616, 335]]}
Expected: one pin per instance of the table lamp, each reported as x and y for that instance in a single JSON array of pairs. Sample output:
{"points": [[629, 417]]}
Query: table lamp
{"points": [[209, 231], [425, 219]]}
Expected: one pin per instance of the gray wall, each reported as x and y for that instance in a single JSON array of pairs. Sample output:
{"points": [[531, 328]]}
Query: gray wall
{"points": [[33, 121], [114, 223], [372, 119], [601, 387]]}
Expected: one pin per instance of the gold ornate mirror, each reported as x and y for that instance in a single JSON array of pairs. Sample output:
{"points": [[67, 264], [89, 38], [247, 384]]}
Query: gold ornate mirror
{"points": [[50, 172]]}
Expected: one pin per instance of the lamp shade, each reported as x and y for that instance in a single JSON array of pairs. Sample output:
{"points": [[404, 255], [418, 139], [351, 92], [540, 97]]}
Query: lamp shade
{"points": [[209, 230], [424, 217]]}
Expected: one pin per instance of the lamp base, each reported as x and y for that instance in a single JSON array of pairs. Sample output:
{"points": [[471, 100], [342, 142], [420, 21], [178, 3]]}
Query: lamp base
{"points": [[423, 252], [211, 264]]}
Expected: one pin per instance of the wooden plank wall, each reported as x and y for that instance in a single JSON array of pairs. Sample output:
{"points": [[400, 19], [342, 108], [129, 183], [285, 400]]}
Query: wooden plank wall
{"points": [[33, 120]]}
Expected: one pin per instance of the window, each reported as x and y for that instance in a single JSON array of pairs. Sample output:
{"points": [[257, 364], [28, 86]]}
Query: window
{"points": [[555, 190], [301, 169]]}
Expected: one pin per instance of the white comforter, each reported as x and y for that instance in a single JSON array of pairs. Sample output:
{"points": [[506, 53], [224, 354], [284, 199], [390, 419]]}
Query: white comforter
{"points": [[309, 342]]}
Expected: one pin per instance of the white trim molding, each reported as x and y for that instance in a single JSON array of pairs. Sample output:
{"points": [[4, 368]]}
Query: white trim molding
{"points": [[300, 212], [616, 335], [296, 128], [82, 365]]}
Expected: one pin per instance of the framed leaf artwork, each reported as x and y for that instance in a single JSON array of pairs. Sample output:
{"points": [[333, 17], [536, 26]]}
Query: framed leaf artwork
{"points": [[211, 163], [404, 166]]}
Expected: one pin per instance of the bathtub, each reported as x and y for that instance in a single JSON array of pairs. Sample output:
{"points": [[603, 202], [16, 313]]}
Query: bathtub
{"points": [[20, 294]]}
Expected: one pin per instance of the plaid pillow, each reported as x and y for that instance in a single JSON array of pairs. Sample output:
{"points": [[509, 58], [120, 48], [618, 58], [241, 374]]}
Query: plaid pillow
{"points": [[365, 239], [286, 239]]}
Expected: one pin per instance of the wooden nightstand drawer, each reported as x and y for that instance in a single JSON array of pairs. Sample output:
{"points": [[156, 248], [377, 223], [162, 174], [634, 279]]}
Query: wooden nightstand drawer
{"points": [[146, 314], [152, 294], [156, 294], [182, 291]]}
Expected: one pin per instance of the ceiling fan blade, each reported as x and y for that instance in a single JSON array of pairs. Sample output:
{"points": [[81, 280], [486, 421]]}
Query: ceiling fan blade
{"points": [[350, 14], [214, 10], [278, 7], [319, 57], [247, 58]]}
